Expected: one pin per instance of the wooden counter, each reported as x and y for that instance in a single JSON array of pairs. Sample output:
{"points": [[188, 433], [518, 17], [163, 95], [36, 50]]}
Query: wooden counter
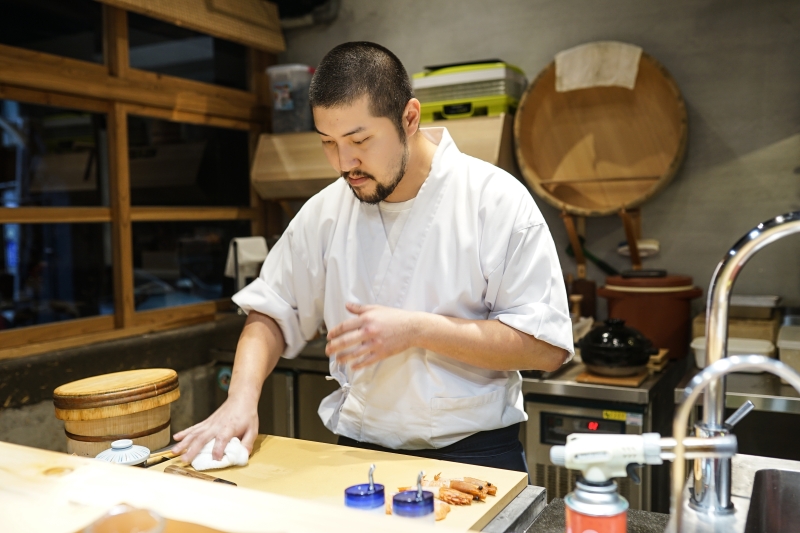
{"points": [[319, 473], [50, 492]]}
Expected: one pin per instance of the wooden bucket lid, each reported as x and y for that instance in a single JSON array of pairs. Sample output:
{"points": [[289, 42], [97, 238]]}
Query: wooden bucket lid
{"points": [[672, 281], [594, 151], [116, 394], [673, 286]]}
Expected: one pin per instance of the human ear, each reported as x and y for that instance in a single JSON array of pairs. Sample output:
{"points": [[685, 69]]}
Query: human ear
{"points": [[411, 117]]}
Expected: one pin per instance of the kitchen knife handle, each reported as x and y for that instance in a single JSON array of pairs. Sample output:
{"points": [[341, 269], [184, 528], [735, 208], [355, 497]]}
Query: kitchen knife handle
{"points": [[173, 469]]}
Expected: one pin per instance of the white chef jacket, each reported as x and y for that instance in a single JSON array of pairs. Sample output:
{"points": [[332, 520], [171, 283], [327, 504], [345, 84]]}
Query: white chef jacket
{"points": [[475, 246]]}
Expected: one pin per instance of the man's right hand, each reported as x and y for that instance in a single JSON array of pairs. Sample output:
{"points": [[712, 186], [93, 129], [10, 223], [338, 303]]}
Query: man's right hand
{"points": [[234, 418], [260, 346]]}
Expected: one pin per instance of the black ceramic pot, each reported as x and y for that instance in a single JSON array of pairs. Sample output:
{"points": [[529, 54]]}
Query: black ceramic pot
{"points": [[615, 350]]}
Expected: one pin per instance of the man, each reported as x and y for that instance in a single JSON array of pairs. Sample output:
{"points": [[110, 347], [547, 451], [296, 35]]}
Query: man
{"points": [[434, 272]]}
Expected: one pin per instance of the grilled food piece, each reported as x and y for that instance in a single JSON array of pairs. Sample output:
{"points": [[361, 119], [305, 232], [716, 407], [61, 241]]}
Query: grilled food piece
{"points": [[491, 489], [453, 496], [478, 491], [458, 491]]}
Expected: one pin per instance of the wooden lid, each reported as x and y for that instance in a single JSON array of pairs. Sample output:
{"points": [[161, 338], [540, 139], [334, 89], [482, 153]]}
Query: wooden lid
{"points": [[594, 151], [139, 389], [671, 286], [666, 281]]}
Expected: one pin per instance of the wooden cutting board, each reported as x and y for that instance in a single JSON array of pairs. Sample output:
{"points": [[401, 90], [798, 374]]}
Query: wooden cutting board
{"points": [[321, 472]]}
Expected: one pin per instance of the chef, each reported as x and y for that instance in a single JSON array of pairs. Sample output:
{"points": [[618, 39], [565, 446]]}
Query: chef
{"points": [[434, 272]]}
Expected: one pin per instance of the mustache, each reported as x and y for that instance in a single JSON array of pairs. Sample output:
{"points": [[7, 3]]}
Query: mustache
{"points": [[357, 174]]}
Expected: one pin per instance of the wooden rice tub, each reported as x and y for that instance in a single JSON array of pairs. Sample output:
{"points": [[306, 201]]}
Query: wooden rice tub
{"points": [[124, 405]]}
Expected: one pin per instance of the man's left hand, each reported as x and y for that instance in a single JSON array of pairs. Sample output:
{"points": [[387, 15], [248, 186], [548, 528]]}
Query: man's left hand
{"points": [[375, 333]]}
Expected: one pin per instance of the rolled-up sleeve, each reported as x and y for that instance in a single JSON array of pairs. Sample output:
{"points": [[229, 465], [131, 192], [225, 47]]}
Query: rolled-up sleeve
{"points": [[289, 290], [526, 290]]}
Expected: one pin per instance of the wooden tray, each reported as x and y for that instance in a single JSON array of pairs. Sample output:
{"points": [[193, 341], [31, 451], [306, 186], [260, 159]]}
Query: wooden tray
{"points": [[659, 358], [593, 151], [320, 472], [625, 381]]}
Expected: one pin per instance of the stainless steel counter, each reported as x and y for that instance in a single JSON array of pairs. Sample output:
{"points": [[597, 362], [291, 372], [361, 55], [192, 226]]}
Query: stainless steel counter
{"points": [[764, 390], [311, 359], [562, 383]]}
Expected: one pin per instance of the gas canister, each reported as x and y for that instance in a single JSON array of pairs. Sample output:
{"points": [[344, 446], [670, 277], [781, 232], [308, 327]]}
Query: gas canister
{"points": [[596, 508]]}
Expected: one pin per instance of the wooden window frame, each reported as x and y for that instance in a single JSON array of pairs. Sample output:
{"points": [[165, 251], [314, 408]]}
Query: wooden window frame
{"points": [[117, 90]]}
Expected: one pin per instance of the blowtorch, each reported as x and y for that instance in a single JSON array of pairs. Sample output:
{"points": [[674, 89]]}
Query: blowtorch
{"points": [[595, 505]]}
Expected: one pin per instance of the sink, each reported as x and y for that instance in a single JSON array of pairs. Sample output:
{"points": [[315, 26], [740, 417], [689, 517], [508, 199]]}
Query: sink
{"points": [[775, 502]]}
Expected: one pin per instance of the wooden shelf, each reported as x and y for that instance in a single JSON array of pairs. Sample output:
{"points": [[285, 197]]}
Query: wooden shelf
{"points": [[252, 23], [293, 165]]}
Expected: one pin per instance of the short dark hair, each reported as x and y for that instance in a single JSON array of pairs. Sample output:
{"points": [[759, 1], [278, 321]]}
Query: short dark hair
{"points": [[352, 70]]}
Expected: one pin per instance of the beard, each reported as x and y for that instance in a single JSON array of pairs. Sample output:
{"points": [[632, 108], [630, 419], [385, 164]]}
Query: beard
{"points": [[382, 191]]}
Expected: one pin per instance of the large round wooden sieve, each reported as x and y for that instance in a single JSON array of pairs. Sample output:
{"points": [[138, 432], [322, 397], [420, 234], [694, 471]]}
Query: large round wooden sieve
{"points": [[595, 151]]}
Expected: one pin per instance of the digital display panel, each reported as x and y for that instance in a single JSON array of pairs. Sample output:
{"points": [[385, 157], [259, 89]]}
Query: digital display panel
{"points": [[555, 427]]}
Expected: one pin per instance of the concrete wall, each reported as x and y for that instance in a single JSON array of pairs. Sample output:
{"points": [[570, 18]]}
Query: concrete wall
{"points": [[737, 63], [37, 426], [27, 415]]}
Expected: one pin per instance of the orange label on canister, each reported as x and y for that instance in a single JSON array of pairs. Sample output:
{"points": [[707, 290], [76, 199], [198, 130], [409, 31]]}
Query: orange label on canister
{"points": [[581, 523]]}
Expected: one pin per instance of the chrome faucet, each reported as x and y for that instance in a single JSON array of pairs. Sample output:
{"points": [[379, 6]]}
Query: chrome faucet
{"points": [[705, 519], [711, 492]]}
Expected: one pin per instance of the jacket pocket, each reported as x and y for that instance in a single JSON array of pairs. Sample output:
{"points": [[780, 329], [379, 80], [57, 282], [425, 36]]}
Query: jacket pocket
{"points": [[455, 418]]}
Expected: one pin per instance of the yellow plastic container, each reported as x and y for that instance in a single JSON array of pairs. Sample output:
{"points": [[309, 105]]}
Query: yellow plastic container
{"points": [[473, 107], [467, 90]]}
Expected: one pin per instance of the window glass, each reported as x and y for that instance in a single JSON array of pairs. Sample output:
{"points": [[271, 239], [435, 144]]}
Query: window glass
{"points": [[54, 272], [178, 164], [179, 263], [51, 156], [70, 28], [168, 49]]}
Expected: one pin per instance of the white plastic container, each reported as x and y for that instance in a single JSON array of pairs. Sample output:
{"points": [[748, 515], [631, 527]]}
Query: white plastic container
{"points": [[291, 111], [758, 307], [736, 346], [789, 346]]}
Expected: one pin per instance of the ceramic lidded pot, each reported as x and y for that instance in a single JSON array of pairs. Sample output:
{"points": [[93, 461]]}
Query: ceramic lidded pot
{"points": [[125, 452], [615, 350]]}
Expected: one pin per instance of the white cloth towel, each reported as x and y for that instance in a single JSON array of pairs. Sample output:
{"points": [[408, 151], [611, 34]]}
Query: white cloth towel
{"points": [[604, 63], [235, 455], [252, 252]]}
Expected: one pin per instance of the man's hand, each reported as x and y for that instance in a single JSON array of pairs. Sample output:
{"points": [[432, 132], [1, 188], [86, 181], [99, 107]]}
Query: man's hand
{"points": [[375, 333], [234, 418], [378, 332], [260, 346]]}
